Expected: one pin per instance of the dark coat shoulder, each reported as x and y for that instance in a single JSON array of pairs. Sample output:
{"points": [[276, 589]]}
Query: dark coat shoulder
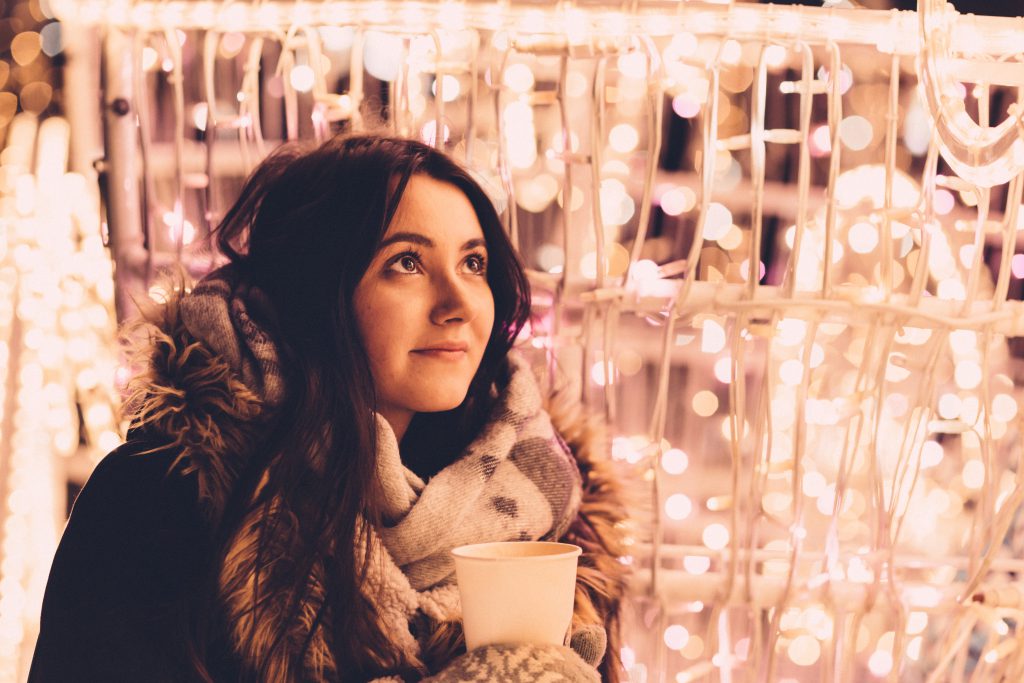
{"points": [[131, 557]]}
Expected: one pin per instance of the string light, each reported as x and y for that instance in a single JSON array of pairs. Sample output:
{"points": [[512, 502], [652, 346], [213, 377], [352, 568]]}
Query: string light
{"points": [[849, 332]]}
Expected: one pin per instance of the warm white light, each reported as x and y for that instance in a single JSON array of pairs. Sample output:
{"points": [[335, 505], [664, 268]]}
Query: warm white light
{"points": [[696, 564], [967, 374], [633, 65], [715, 536], [880, 663], [674, 461], [623, 138], [774, 55], [804, 650], [686, 106], [973, 474], [428, 133], [713, 337], [644, 270], [963, 342], [536, 194], [821, 141], [705, 403], [676, 636], [723, 370], [931, 454], [855, 132], [678, 201], [717, 221], [450, 91], [678, 506], [951, 289], [863, 237], [944, 202], [518, 78], [628, 362], [950, 406], [382, 55], [814, 484], [731, 52], [597, 373], [1004, 407], [917, 622], [576, 84], [791, 372]]}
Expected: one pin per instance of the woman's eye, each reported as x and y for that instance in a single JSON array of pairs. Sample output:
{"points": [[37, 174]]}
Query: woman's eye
{"points": [[406, 263], [477, 264]]}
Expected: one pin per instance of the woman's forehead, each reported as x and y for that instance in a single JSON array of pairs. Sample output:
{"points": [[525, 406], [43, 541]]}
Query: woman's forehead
{"points": [[436, 209]]}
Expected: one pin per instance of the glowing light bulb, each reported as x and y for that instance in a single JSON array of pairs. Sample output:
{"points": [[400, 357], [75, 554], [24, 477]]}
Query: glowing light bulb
{"points": [[679, 200], [790, 331], [674, 461], [931, 455], [685, 106], [450, 90], [856, 132], [713, 337], [814, 484], [950, 406], [696, 564], [791, 372], [716, 222], [644, 270], [967, 374], [804, 650], [723, 370], [880, 663], [973, 474], [518, 78], [963, 342], [382, 55], [863, 237], [623, 138], [715, 536], [678, 506], [705, 403], [944, 202], [633, 65], [1004, 407]]}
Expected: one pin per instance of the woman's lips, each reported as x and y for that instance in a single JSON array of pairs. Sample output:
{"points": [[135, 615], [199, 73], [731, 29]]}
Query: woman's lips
{"points": [[453, 351], [440, 353]]}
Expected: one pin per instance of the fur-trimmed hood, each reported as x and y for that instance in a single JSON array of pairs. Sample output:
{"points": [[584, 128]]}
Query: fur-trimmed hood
{"points": [[188, 399]]}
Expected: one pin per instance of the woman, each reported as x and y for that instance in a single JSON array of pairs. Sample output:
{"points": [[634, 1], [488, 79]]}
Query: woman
{"points": [[262, 522]]}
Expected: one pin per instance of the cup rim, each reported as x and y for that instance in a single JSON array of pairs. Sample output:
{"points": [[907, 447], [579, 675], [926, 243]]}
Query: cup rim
{"points": [[563, 551]]}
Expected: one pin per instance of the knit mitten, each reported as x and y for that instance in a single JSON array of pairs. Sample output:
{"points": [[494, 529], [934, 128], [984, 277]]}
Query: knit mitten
{"points": [[589, 642], [522, 664]]}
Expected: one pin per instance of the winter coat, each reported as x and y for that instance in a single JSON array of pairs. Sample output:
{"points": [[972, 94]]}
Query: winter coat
{"points": [[139, 541]]}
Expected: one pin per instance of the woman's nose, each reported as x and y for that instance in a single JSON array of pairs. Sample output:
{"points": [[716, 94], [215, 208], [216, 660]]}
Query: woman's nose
{"points": [[453, 302]]}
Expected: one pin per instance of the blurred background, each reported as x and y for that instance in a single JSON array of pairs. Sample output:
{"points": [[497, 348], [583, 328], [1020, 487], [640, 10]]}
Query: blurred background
{"points": [[786, 274]]}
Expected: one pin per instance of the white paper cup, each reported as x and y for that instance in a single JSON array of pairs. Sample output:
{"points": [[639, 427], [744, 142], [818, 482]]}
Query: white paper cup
{"points": [[516, 592]]}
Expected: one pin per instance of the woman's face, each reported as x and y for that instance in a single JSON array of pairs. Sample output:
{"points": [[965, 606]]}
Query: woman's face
{"points": [[424, 308]]}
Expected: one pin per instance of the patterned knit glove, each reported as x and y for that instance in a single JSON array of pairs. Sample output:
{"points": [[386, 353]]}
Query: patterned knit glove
{"points": [[531, 663]]}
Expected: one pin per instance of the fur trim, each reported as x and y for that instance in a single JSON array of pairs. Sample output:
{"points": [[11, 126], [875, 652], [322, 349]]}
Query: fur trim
{"points": [[187, 399]]}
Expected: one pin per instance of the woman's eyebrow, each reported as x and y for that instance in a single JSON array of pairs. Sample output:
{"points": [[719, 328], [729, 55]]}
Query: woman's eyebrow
{"points": [[425, 241], [413, 237]]}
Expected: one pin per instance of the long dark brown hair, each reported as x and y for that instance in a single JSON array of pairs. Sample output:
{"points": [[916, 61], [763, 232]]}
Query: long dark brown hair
{"points": [[304, 230]]}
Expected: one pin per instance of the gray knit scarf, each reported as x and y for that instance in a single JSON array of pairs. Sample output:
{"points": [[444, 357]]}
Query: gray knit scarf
{"points": [[516, 480]]}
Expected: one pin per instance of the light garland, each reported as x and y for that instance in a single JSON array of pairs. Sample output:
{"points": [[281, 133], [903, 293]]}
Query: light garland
{"points": [[59, 356], [834, 458]]}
